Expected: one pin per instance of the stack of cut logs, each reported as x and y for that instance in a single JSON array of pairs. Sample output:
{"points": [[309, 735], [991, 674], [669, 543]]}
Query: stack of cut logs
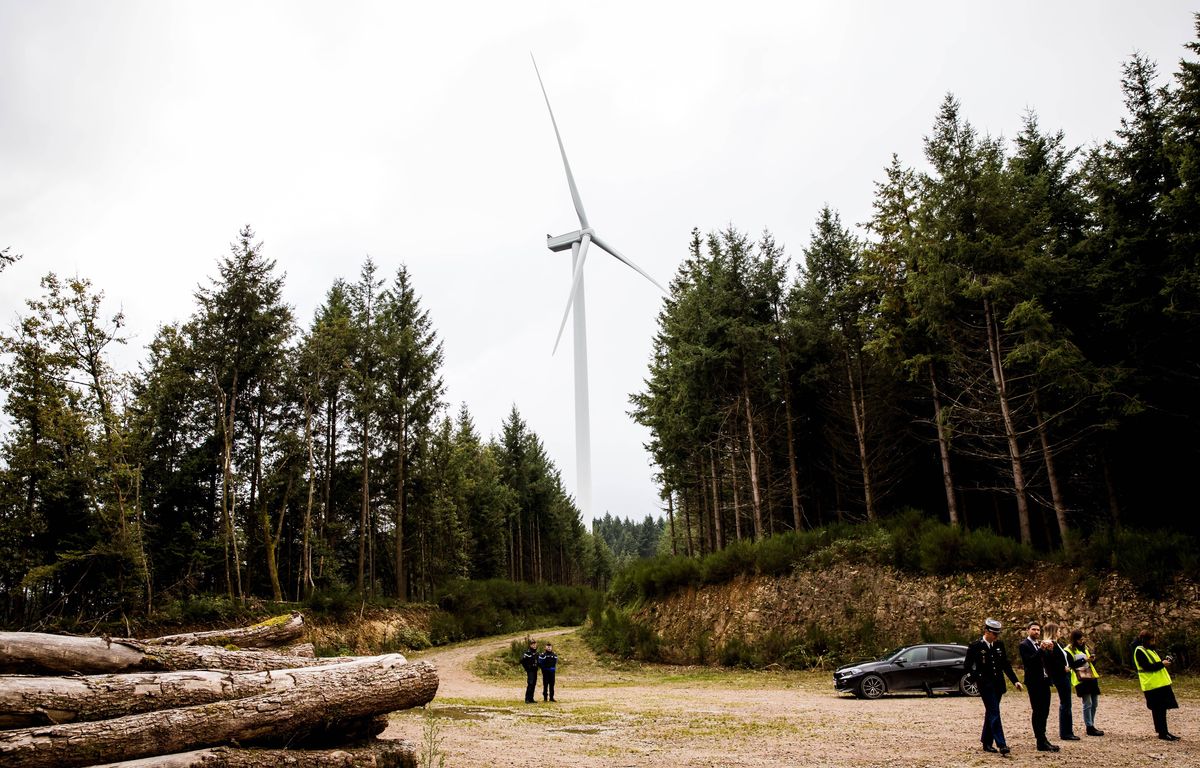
{"points": [[201, 700]]}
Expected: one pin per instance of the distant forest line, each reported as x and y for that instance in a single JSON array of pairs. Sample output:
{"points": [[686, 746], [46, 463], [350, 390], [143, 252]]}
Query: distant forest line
{"points": [[1009, 345]]}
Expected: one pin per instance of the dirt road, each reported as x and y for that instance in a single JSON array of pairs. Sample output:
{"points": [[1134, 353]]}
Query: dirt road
{"points": [[666, 716]]}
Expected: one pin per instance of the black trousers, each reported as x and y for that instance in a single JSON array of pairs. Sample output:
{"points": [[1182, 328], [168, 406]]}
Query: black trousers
{"points": [[530, 684], [1039, 701], [1160, 721], [547, 684]]}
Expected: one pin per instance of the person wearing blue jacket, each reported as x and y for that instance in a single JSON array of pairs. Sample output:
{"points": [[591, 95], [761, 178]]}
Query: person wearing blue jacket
{"points": [[547, 662]]}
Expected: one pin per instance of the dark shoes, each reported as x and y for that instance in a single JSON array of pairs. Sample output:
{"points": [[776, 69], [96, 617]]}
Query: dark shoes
{"points": [[1094, 731], [1004, 751], [1046, 746], [1072, 737], [986, 748], [1168, 737]]}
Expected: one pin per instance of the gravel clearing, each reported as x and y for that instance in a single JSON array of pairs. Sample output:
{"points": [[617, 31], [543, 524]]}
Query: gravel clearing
{"points": [[666, 716]]}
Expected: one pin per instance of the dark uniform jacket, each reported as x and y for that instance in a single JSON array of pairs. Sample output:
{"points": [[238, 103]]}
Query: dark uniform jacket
{"points": [[529, 660], [989, 666], [548, 661], [1037, 662]]}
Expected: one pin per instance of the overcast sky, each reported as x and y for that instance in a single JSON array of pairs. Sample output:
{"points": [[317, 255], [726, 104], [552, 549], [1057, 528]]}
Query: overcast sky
{"points": [[137, 137]]}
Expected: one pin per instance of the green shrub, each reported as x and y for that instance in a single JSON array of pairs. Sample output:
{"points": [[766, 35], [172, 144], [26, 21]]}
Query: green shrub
{"points": [[723, 565], [620, 634]]}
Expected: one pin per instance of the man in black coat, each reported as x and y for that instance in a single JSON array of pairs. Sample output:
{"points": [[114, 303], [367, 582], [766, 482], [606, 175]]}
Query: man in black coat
{"points": [[529, 660], [987, 665], [1035, 657]]}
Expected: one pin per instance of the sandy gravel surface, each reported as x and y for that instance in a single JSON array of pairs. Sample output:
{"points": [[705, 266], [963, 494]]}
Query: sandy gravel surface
{"points": [[664, 716]]}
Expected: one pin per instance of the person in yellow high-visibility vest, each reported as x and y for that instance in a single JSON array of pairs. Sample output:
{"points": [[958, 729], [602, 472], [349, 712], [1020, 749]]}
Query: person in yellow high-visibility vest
{"points": [[1156, 682]]}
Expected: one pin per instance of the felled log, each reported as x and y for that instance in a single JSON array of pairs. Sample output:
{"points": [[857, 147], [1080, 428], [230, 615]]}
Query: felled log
{"points": [[380, 754], [272, 633], [34, 652], [295, 713], [31, 701], [307, 650]]}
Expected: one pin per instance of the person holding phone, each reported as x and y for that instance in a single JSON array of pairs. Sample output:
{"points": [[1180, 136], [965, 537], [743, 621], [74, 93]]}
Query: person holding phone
{"points": [[1155, 681]]}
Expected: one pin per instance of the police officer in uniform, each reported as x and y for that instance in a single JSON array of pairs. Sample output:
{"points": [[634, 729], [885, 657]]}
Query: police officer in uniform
{"points": [[548, 662], [529, 660], [988, 665]]}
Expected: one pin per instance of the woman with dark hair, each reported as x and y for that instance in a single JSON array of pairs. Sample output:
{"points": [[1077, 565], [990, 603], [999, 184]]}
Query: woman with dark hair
{"points": [[1085, 680], [1155, 681]]}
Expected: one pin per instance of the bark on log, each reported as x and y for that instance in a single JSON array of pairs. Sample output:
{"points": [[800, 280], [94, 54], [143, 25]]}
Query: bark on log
{"points": [[32, 701], [34, 652], [272, 633], [380, 754], [375, 689], [307, 650]]}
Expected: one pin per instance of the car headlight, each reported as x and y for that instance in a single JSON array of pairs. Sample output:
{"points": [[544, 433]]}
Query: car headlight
{"points": [[852, 672]]}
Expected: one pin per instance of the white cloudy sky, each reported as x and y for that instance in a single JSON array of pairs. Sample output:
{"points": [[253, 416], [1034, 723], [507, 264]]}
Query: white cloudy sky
{"points": [[137, 137]]}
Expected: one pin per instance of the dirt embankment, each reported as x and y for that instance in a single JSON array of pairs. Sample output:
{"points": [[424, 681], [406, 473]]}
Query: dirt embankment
{"points": [[861, 609]]}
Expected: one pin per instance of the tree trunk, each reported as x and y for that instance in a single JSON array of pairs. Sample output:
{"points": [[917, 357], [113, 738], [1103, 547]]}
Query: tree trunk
{"points": [[306, 570], [1010, 429], [671, 520], [944, 450], [271, 633], [277, 716], [378, 754], [755, 492], [364, 508], [858, 410], [1110, 488], [737, 502], [401, 482], [1060, 507], [718, 537], [32, 701], [34, 652]]}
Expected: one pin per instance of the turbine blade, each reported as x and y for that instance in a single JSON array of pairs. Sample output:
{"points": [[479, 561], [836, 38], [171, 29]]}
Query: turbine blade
{"points": [[576, 278], [583, 224], [605, 246]]}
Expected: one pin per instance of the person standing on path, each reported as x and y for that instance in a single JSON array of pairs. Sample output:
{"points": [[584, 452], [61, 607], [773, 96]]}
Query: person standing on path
{"points": [[529, 660], [1058, 666], [1086, 680], [1155, 682], [987, 665], [1035, 654], [548, 663]]}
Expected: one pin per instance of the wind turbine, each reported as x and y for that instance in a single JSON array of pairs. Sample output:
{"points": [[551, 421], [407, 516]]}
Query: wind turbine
{"points": [[578, 242]]}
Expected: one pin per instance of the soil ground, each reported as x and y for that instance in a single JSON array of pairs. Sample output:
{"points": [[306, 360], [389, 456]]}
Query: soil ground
{"points": [[650, 715]]}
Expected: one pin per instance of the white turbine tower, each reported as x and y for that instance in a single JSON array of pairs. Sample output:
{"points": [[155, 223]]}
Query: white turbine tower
{"points": [[578, 242]]}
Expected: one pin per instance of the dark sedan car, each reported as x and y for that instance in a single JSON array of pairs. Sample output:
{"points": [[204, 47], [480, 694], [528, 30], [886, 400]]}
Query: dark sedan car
{"points": [[929, 667]]}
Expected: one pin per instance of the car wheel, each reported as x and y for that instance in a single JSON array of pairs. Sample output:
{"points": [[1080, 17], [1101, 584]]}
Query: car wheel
{"points": [[967, 686], [871, 687]]}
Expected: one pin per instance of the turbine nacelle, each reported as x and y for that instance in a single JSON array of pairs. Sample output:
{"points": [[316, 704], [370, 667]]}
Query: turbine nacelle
{"points": [[564, 242]]}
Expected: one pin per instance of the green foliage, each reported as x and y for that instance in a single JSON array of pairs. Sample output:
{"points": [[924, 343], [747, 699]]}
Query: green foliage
{"points": [[494, 606], [620, 634], [1152, 560]]}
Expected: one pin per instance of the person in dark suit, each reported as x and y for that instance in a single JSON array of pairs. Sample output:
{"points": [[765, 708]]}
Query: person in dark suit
{"points": [[1058, 666], [987, 665], [1035, 654], [529, 660]]}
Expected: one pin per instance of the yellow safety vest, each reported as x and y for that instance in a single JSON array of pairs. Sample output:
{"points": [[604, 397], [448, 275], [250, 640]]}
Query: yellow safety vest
{"points": [[1150, 680], [1071, 651]]}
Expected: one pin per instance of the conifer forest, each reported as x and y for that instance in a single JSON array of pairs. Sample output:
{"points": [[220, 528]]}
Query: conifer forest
{"points": [[1009, 343]]}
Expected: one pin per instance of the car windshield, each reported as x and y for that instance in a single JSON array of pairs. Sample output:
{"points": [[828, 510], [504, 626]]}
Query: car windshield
{"points": [[891, 656]]}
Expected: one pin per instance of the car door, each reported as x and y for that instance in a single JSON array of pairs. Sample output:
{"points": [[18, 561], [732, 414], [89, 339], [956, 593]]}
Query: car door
{"points": [[945, 666], [911, 669]]}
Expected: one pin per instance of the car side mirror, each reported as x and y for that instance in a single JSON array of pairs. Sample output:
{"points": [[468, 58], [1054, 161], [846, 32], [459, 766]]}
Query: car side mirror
{"points": [[900, 662]]}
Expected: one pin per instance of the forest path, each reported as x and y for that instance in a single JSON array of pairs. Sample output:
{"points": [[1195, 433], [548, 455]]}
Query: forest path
{"points": [[647, 715]]}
